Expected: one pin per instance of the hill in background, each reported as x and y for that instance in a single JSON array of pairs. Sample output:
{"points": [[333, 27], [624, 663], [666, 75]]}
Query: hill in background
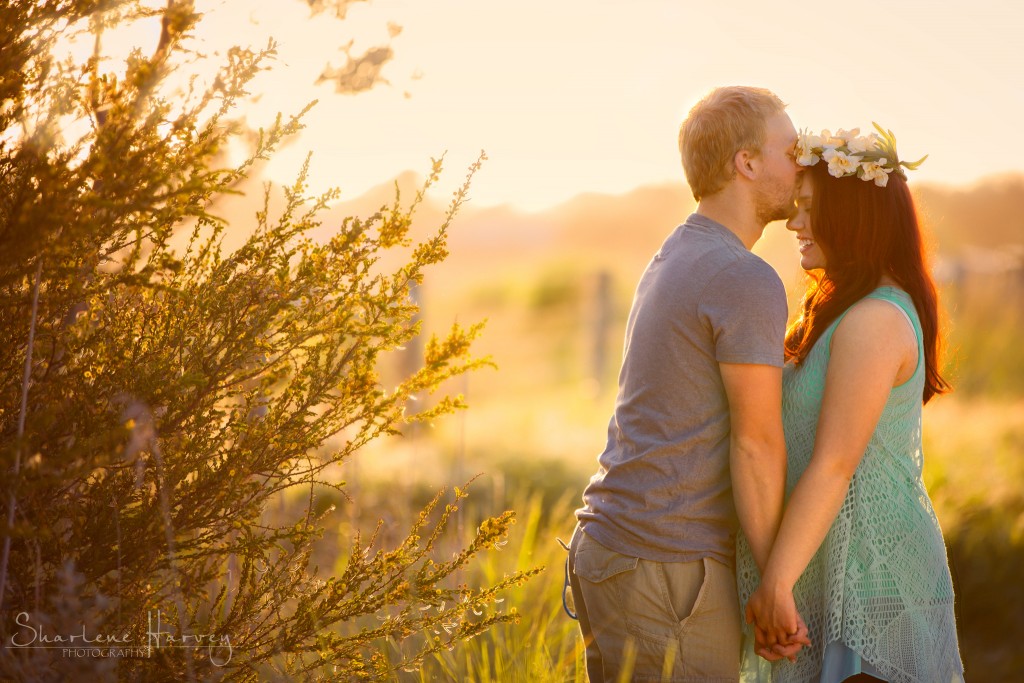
{"points": [[555, 286], [619, 233]]}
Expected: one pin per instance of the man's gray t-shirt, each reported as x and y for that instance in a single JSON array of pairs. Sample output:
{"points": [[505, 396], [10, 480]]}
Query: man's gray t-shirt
{"points": [[663, 490]]}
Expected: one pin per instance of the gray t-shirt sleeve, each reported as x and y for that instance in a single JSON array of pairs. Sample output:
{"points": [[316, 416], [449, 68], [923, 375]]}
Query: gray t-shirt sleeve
{"points": [[744, 307]]}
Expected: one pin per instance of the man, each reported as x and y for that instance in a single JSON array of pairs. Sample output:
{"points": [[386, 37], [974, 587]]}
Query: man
{"points": [[695, 444]]}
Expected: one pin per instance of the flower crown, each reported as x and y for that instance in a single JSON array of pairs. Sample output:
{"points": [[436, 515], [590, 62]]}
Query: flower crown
{"points": [[869, 157]]}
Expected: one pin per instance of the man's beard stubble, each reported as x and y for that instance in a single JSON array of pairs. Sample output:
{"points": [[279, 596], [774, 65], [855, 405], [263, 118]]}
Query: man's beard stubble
{"points": [[775, 204]]}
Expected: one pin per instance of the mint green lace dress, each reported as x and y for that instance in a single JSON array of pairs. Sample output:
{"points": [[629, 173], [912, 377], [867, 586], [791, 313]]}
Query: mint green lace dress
{"points": [[877, 596]]}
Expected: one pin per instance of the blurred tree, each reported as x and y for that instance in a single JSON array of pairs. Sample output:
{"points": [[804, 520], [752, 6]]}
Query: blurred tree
{"points": [[155, 402]]}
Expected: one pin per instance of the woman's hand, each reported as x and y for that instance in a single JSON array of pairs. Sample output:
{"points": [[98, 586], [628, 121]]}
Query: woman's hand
{"points": [[778, 629]]}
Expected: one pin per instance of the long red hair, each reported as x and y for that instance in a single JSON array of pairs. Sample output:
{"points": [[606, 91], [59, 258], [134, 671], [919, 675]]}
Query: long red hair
{"points": [[865, 232]]}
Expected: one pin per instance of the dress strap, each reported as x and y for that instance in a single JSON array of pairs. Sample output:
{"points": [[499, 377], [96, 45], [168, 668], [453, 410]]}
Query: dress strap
{"points": [[902, 301], [903, 312], [905, 305], [893, 295]]}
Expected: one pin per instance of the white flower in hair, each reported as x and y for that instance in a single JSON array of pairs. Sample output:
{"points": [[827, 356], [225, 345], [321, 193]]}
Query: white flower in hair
{"points": [[840, 163], [806, 157], [875, 170], [870, 157], [847, 135], [864, 143], [806, 144], [829, 141]]}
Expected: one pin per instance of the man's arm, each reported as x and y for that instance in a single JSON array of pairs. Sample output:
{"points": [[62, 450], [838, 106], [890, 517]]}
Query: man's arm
{"points": [[757, 461], [757, 452]]}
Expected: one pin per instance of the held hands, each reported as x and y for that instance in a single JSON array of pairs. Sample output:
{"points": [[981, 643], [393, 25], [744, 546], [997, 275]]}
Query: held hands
{"points": [[779, 631]]}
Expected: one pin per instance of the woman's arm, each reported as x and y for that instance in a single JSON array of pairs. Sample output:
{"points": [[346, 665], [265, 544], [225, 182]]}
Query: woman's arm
{"points": [[872, 349]]}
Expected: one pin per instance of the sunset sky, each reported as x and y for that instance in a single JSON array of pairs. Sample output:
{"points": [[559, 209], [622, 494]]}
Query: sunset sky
{"points": [[571, 96]]}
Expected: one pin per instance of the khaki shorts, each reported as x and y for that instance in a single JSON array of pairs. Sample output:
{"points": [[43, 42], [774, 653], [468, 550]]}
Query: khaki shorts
{"points": [[663, 621]]}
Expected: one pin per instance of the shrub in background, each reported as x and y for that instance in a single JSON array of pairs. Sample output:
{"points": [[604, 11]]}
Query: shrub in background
{"points": [[156, 402]]}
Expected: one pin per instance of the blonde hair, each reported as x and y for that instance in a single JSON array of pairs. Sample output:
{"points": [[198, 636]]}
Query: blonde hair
{"points": [[720, 125]]}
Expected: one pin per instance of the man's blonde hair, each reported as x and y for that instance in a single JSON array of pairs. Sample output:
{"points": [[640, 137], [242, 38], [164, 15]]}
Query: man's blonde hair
{"points": [[720, 125]]}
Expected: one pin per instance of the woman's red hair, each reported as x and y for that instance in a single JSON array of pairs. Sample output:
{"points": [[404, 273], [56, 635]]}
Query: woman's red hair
{"points": [[865, 232]]}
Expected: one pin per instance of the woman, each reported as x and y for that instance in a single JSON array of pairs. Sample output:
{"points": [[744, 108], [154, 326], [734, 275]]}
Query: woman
{"points": [[859, 553]]}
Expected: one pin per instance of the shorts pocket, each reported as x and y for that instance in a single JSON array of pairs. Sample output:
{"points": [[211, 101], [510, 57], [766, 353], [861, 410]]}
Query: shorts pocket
{"points": [[595, 563], [687, 586], [710, 635]]}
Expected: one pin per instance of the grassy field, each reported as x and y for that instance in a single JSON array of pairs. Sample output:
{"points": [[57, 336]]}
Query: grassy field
{"points": [[536, 425], [973, 473]]}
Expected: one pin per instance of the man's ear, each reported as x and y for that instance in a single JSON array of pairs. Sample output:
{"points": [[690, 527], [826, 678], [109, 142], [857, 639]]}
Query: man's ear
{"points": [[745, 164]]}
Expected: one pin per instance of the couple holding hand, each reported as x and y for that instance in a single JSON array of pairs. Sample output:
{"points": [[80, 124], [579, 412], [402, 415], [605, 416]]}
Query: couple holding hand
{"points": [[759, 512]]}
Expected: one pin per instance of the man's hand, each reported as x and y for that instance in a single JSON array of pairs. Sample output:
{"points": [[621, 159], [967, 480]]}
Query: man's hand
{"points": [[779, 631], [781, 650]]}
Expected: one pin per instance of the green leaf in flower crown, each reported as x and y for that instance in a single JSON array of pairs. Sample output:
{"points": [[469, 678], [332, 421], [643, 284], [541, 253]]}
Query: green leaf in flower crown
{"points": [[887, 135], [912, 165]]}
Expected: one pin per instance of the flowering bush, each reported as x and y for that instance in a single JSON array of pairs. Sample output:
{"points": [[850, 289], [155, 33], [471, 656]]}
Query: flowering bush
{"points": [[156, 402]]}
